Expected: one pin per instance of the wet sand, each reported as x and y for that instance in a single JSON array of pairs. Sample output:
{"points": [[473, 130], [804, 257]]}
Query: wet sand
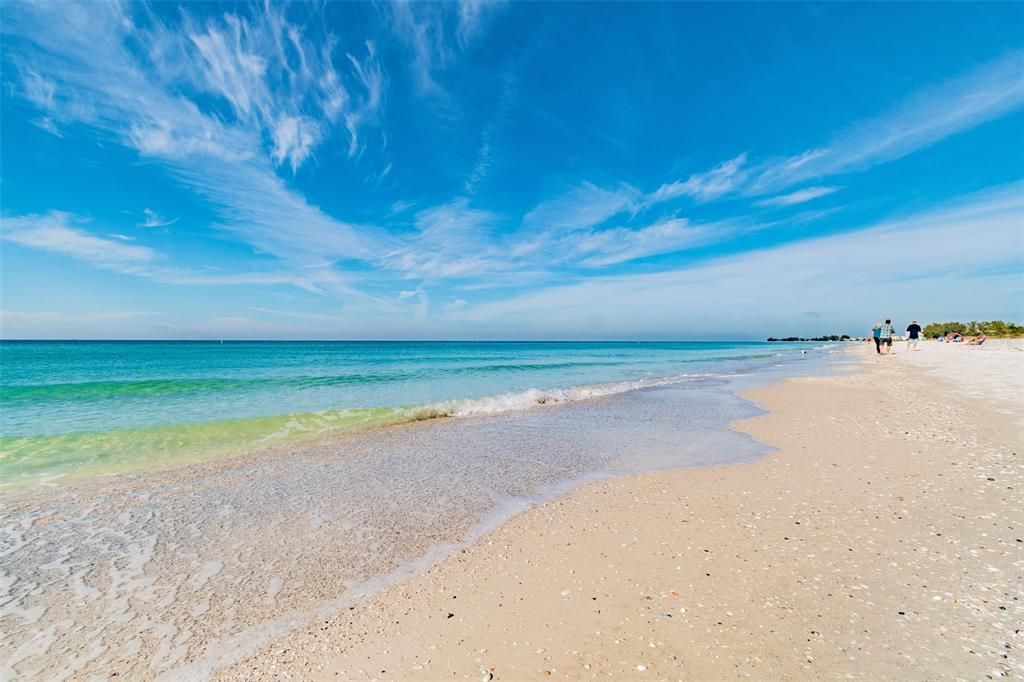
{"points": [[882, 540]]}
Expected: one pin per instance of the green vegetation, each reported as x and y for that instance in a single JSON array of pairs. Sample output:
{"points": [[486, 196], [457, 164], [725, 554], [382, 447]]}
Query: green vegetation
{"points": [[833, 337], [995, 329]]}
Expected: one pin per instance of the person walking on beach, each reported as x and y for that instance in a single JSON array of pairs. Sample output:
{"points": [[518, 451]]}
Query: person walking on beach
{"points": [[876, 334], [886, 333], [913, 335]]}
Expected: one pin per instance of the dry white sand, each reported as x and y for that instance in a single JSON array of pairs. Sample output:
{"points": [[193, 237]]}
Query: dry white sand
{"points": [[993, 372], [882, 541]]}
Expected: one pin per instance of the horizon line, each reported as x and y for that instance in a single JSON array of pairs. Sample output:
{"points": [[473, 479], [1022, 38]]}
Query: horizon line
{"points": [[384, 340]]}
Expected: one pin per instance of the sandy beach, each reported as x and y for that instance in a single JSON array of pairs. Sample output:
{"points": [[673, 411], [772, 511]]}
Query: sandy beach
{"points": [[882, 540]]}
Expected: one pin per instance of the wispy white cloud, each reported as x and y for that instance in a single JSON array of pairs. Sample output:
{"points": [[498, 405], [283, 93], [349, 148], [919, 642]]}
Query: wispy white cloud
{"points": [[37, 89], [585, 205], [925, 117], [722, 179], [154, 219], [567, 230], [472, 16], [370, 74], [421, 26], [452, 220], [452, 240], [500, 118], [422, 301], [800, 196], [46, 123], [54, 232], [621, 244], [272, 78], [483, 162], [62, 233], [294, 138], [436, 33], [400, 207], [601, 247], [40, 91]]}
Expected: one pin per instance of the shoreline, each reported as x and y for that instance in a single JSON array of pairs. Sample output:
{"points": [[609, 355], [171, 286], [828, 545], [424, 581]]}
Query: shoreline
{"points": [[176, 573], [653, 611]]}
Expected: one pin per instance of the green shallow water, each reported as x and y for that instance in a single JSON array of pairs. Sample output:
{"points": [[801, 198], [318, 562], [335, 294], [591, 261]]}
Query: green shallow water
{"points": [[27, 459]]}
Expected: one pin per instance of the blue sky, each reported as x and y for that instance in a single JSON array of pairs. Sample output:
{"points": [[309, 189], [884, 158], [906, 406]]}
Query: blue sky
{"points": [[508, 170]]}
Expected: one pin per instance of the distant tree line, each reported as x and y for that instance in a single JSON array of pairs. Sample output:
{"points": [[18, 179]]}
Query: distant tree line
{"points": [[832, 337], [994, 328]]}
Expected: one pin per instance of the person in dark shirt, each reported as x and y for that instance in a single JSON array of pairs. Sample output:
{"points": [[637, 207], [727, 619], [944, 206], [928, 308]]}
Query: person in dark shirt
{"points": [[913, 335]]}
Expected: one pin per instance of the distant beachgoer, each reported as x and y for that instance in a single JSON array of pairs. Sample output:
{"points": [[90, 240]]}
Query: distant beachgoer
{"points": [[876, 334], [977, 341], [886, 333], [913, 334]]}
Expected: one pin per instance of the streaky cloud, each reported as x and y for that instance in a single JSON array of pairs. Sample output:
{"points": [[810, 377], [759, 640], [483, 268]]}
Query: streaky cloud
{"points": [[720, 180], [621, 244], [922, 119], [800, 196], [436, 33], [925, 117], [153, 219], [62, 233], [453, 240], [585, 205], [55, 233]]}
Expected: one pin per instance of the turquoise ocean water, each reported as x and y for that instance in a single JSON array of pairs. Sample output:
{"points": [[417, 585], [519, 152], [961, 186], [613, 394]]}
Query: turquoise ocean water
{"points": [[87, 407]]}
